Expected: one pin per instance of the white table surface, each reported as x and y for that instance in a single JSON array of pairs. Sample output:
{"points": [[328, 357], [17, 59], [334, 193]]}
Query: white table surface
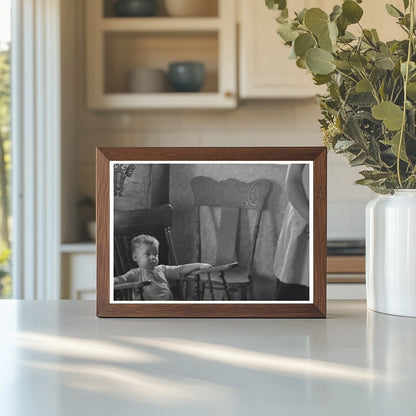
{"points": [[57, 358]]}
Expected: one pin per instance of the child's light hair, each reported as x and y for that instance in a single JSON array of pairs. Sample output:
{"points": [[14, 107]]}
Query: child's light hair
{"points": [[143, 239]]}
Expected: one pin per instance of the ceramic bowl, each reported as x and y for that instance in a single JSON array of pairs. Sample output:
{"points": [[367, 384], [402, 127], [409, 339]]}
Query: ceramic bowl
{"points": [[147, 80], [186, 76], [191, 8], [135, 8]]}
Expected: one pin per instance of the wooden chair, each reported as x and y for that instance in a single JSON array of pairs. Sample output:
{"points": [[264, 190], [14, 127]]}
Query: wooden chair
{"points": [[230, 198], [129, 224]]}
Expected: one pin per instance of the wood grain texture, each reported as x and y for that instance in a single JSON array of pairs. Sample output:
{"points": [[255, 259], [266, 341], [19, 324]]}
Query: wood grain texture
{"points": [[317, 309]]}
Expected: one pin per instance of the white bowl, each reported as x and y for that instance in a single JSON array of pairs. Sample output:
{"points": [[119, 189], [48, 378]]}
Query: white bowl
{"points": [[191, 8], [147, 80]]}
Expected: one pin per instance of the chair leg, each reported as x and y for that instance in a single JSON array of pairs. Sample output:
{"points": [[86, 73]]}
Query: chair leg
{"points": [[224, 286], [211, 287], [197, 288]]}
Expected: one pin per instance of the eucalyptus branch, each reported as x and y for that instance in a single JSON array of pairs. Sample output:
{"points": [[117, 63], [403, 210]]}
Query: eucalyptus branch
{"points": [[346, 75], [373, 88], [405, 81]]}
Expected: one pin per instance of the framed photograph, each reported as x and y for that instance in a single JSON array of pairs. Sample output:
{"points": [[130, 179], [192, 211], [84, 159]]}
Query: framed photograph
{"points": [[211, 232]]}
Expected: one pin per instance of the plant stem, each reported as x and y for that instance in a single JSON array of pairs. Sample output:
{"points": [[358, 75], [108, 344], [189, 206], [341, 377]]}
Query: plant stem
{"points": [[405, 81]]}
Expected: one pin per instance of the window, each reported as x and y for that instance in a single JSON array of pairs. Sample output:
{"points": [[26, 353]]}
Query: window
{"points": [[5, 147]]}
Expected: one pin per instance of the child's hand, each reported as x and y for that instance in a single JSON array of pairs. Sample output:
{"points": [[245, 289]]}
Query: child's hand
{"points": [[204, 265]]}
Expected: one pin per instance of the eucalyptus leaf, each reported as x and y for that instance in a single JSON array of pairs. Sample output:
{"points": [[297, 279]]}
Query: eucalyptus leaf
{"points": [[411, 90], [358, 61], [345, 65], [375, 35], [301, 15], [391, 114], [276, 4], [336, 12], [343, 145], [301, 63], [303, 43], [321, 79], [316, 20], [394, 145], [287, 33], [347, 37], [325, 42], [342, 25], [358, 160], [374, 174], [384, 62], [363, 86], [393, 11], [351, 11], [320, 61]]}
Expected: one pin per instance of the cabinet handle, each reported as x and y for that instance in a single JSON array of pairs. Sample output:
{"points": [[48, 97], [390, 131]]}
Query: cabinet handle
{"points": [[229, 94]]}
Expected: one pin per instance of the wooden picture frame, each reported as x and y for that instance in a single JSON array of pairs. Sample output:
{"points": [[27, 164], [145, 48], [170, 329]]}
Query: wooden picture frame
{"points": [[180, 163]]}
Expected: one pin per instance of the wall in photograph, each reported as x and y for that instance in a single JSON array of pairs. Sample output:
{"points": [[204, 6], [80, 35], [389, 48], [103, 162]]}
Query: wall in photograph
{"points": [[147, 187], [183, 231]]}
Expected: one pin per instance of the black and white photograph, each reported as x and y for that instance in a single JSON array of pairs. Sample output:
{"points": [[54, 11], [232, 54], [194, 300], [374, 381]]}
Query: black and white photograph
{"points": [[211, 231]]}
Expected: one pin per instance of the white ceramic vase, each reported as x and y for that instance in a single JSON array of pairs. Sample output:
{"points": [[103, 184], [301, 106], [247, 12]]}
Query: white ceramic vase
{"points": [[391, 253]]}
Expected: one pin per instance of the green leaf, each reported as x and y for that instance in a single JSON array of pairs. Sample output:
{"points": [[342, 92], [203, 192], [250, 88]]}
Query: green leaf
{"points": [[343, 145], [363, 86], [394, 145], [393, 11], [374, 174], [345, 65], [358, 61], [336, 12], [325, 42], [301, 63], [406, 4], [384, 62], [347, 37], [321, 79], [301, 15], [287, 33], [342, 25], [358, 160], [276, 4], [303, 43], [319, 61], [375, 35], [351, 11], [316, 20], [411, 90], [391, 114]]}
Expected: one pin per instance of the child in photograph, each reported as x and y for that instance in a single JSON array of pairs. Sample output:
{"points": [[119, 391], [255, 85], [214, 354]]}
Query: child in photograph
{"points": [[145, 252]]}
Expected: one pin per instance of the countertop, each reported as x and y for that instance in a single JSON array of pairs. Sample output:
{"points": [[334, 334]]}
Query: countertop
{"points": [[57, 358]]}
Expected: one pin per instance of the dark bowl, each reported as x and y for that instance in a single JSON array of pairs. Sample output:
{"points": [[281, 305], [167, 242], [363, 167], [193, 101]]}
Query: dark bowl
{"points": [[135, 8], [186, 76]]}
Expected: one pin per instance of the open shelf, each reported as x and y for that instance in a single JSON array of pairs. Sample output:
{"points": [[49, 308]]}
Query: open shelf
{"points": [[118, 45]]}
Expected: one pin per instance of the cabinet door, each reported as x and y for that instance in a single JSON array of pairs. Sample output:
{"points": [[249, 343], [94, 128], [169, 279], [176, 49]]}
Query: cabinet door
{"points": [[266, 71]]}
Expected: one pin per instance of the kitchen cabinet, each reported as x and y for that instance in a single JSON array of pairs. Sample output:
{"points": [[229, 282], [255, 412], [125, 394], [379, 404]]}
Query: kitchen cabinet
{"points": [[78, 264], [118, 45], [265, 70]]}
